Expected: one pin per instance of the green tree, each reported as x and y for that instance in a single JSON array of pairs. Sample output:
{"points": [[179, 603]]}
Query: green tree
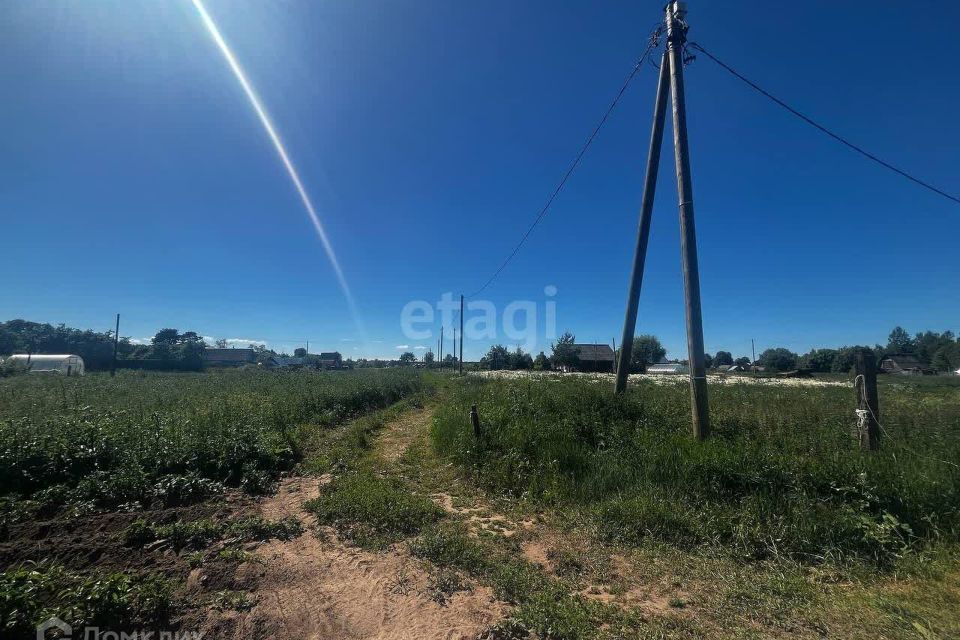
{"points": [[899, 341], [947, 357], [708, 361], [818, 360], [166, 336], [778, 359], [497, 358], [520, 360], [742, 361], [846, 358], [723, 359], [565, 352], [407, 358], [541, 362], [428, 357], [647, 350], [300, 352]]}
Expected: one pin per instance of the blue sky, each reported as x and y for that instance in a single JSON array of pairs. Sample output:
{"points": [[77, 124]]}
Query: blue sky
{"points": [[137, 179]]}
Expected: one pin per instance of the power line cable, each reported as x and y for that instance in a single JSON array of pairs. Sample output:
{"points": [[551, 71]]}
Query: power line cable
{"points": [[654, 40], [822, 128]]}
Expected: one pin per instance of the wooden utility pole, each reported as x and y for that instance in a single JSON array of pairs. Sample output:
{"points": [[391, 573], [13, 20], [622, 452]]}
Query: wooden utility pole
{"points": [[671, 74], [868, 400], [116, 344], [676, 38], [461, 334], [643, 229], [441, 346]]}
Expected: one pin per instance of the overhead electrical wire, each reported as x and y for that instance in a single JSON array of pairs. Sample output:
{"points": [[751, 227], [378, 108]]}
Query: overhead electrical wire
{"points": [[820, 127], [654, 40]]}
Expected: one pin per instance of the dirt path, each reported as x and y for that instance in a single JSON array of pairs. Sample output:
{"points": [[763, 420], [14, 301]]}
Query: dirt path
{"points": [[316, 587]]}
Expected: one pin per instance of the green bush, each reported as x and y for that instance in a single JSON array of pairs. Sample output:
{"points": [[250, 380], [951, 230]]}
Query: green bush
{"points": [[33, 593]]}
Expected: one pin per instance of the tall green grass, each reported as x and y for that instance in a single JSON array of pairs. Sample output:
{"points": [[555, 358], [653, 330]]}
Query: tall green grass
{"points": [[782, 474], [139, 436]]}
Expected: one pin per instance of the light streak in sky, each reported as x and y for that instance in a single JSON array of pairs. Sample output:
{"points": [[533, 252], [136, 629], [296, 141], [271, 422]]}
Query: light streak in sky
{"points": [[282, 152]]}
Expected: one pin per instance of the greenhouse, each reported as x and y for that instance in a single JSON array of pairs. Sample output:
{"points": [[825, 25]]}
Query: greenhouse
{"points": [[66, 364]]}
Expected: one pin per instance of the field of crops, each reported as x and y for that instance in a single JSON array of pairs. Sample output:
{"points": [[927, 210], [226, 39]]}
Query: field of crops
{"points": [[136, 437], [781, 476]]}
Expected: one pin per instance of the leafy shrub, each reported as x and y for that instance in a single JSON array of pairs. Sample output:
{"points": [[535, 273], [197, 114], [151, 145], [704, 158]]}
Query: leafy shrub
{"points": [[34, 592]]}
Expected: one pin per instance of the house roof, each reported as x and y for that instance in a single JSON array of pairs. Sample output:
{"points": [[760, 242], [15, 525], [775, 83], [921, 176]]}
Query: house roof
{"points": [[905, 361], [595, 352], [229, 355]]}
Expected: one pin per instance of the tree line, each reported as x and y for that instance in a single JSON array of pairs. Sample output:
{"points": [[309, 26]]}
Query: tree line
{"points": [[936, 351]]}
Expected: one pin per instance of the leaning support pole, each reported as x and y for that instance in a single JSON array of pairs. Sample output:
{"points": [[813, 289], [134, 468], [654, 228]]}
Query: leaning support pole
{"points": [[676, 37], [643, 229]]}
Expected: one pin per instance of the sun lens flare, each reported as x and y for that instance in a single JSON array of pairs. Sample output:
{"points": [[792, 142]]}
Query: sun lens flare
{"points": [[284, 156]]}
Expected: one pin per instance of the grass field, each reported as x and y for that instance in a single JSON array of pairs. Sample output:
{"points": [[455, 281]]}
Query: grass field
{"points": [[585, 514], [782, 474]]}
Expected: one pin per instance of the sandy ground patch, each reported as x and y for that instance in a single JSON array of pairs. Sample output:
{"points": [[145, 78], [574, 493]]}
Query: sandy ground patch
{"points": [[318, 588]]}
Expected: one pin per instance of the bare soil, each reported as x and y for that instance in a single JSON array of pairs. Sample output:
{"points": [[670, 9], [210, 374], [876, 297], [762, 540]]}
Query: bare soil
{"points": [[316, 586]]}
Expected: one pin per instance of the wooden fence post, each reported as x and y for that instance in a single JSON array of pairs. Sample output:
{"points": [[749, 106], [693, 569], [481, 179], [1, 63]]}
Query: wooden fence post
{"points": [[475, 421], [868, 400]]}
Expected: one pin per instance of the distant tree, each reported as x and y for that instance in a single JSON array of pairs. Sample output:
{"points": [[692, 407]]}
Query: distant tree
{"points": [[723, 359], [846, 358], [449, 360], [742, 361], [947, 357], [899, 341], [565, 353], [166, 336], [818, 360], [647, 350], [928, 343], [520, 360], [497, 358], [428, 357], [778, 359], [300, 352], [221, 343], [708, 361], [407, 358], [541, 362]]}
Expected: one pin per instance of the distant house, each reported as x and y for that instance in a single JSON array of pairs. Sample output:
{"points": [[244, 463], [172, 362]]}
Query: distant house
{"points": [[229, 357], [733, 368], [595, 357], [331, 359], [668, 367], [903, 363]]}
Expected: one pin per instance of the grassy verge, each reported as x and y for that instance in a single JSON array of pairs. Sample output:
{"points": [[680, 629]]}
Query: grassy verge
{"points": [[781, 476]]}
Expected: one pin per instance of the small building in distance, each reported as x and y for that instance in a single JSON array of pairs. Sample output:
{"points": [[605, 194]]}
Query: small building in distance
{"points": [[67, 364], [595, 357], [903, 363], [228, 357], [668, 367], [331, 359]]}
